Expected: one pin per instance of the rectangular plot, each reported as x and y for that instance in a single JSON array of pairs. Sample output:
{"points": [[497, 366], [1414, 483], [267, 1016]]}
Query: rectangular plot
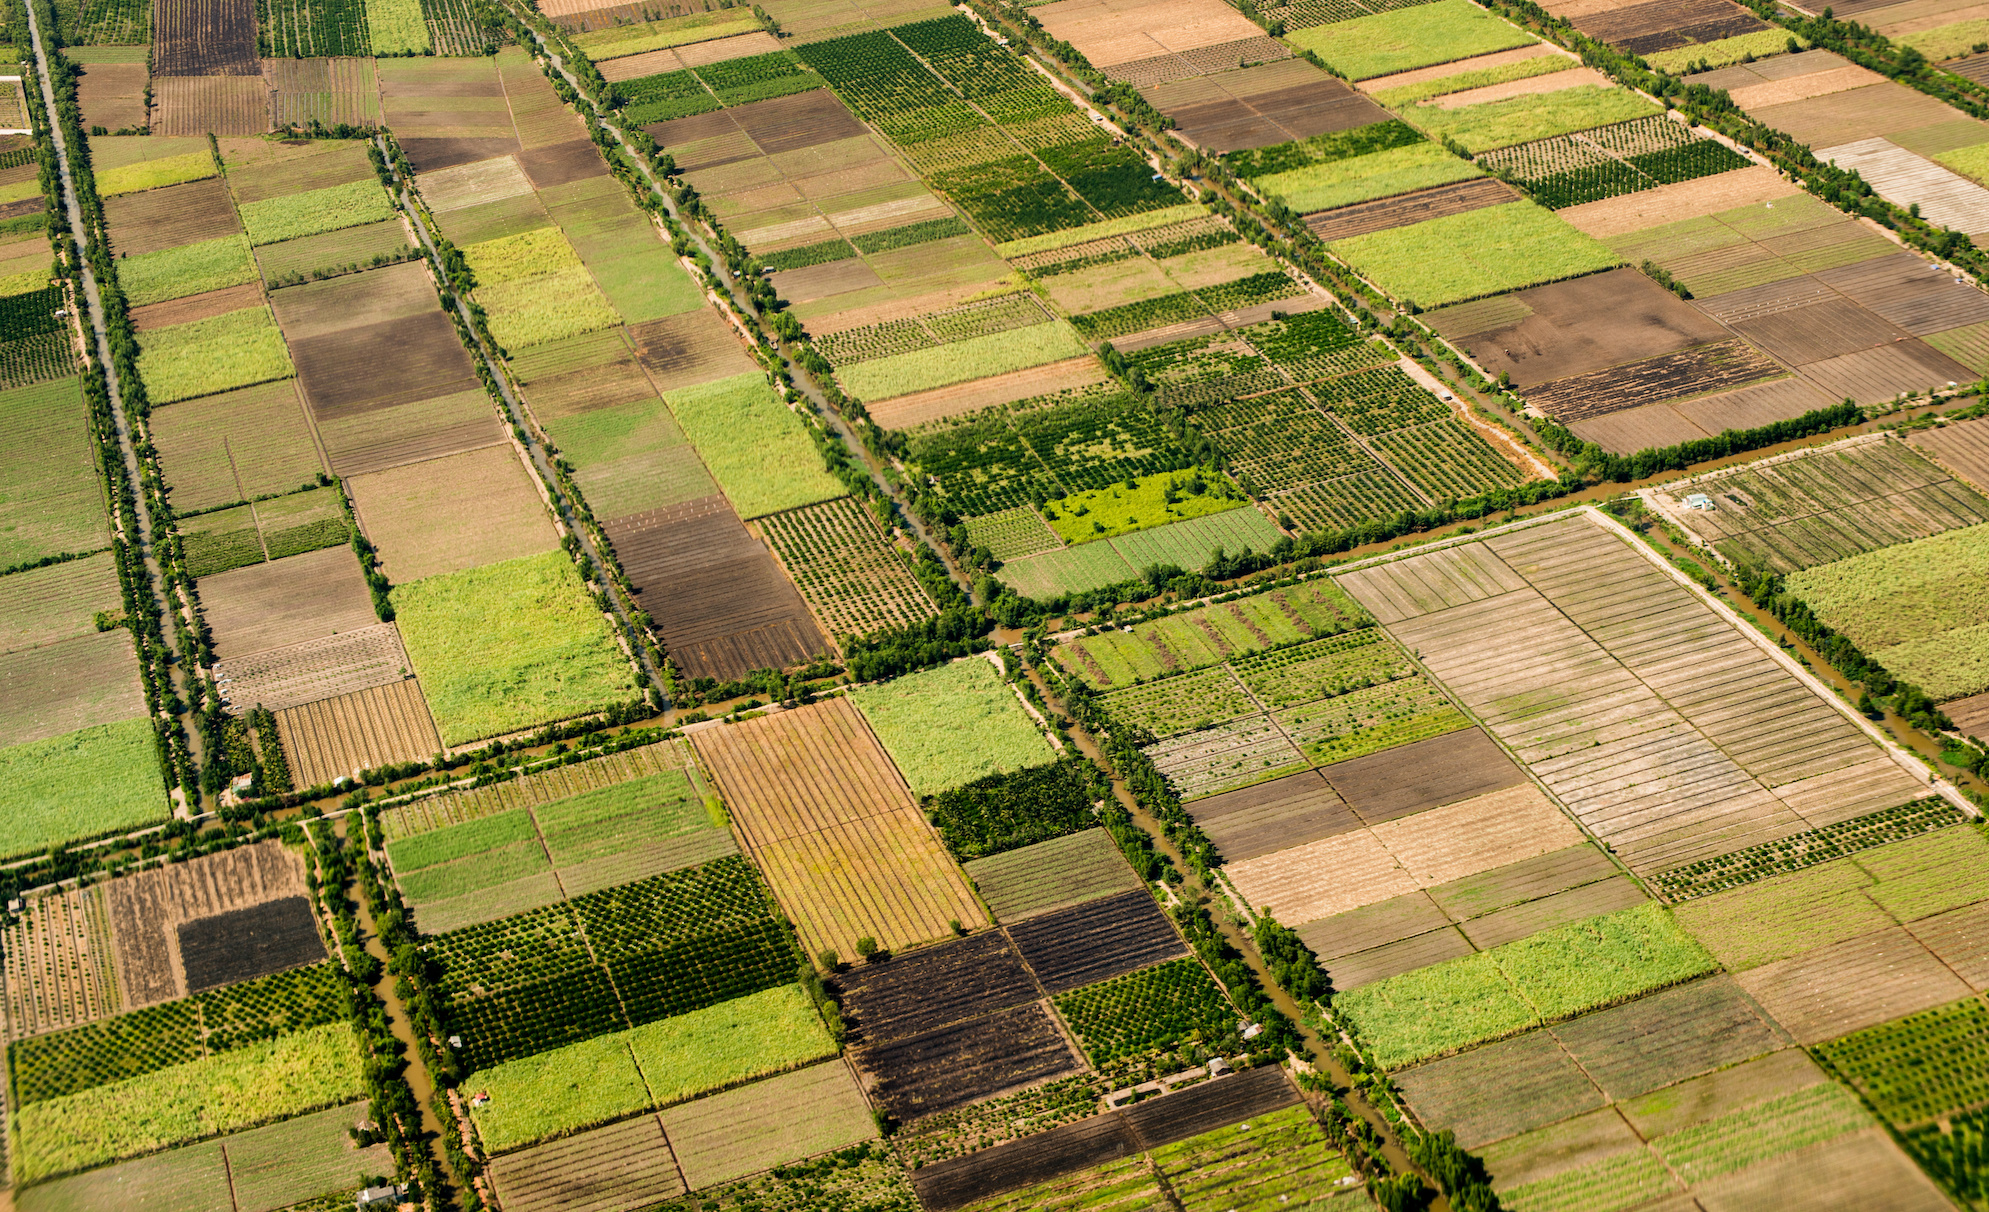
{"points": [[1052, 875], [1669, 1036], [1560, 909], [379, 726], [1096, 941], [1543, 875], [287, 601], [622, 1166], [1848, 986], [959, 1181], [1426, 774], [1478, 834], [1500, 1089], [1393, 959], [1372, 926], [738, 1132], [1273, 816], [1322, 878], [1960, 939], [934, 987], [953, 1066]]}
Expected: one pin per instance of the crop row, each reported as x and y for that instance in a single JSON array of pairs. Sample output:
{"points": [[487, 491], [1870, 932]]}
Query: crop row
{"points": [[979, 319], [1806, 849], [1153, 1008], [1210, 635], [1919, 1068], [313, 28], [1008, 811]]}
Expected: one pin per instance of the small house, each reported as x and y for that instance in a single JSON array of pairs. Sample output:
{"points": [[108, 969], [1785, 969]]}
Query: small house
{"points": [[1699, 500], [388, 1196]]}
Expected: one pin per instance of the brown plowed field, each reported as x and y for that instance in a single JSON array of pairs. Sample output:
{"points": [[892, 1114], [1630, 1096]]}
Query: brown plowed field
{"points": [[1517, 883], [205, 38], [820, 804], [196, 307], [356, 731], [1826, 328], [1962, 448], [1635, 429], [153, 219], [787, 124], [688, 349], [921, 1075], [1271, 816], [1096, 941], [372, 365], [1226, 112], [933, 987], [1586, 325], [321, 308], [1383, 214], [1959, 939], [450, 514], [714, 590], [324, 90], [1749, 186], [376, 439], [1750, 407], [259, 169], [1643, 29], [199, 105], [429, 154], [1409, 778], [562, 163], [1393, 959], [1499, 1090], [767, 1124], [58, 963], [595, 371], [606, 1170], [1698, 371], [287, 601], [1849, 986], [1857, 113], [1870, 376], [316, 669], [112, 95], [147, 909], [1919, 297]]}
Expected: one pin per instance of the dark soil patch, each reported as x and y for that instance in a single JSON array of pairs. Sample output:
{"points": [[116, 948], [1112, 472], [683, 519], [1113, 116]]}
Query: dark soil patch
{"points": [[427, 155], [925, 1074], [1821, 330], [562, 163], [1273, 816], [243, 944], [1097, 940], [1384, 214], [380, 364], [787, 124], [1589, 324], [933, 987], [1442, 770], [698, 128], [167, 218], [959, 1181], [1918, 297], [1698, 371], [720, 600], [195, 307], [696, 347], [26, 206], [1643, 29], [205, 38]]}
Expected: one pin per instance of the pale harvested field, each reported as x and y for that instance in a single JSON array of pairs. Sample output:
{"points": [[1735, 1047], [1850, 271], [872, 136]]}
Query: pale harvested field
{"points": [[1119, 31], [1960, 939], [531, 790], [625, 1165], [1635, 429], [1874, 375], [1752, 407], [1849, 986], [352, 732], [58, 963], [1749, 186], [721, 50], [199, 105], [1862, 1170], [1857, 113], [1801, 88], [904, 412], [845, 849], [1441, 71], [493, 180], [769, 1123], [1322, 878], [146, 910], [1944, 196], [316, 669], [453, 513], [60, 688], [1658, 723], [1962, 448], [1477, 835], [1970, 715], [287, 601]]}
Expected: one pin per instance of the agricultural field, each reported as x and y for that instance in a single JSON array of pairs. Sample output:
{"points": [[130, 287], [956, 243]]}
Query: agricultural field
{"points": [[1384, 43], [1209, 635], [855, 580], [1479, 253], [920, 717], [756, 448], [1051, 875], [1015, 809]]}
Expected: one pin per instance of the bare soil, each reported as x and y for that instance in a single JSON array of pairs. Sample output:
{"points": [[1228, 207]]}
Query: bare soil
{"points": [[453, 513], [205, 38], [196, 307], [934, 987], [790, 123], [1096, 941], [1700, 370], [429, 154], [1589, 324], [688, 349], [372, 366], [376, 439], [287, 601], [624, 1164], [331, 737], [562, 163], [227, 104], [1383, 214], [922, 1075], [1272, 816], [147, 909], [1409, 778], [153, 219], [242, 944]]}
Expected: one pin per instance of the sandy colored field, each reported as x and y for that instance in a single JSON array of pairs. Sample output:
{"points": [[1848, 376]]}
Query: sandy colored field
{"points": [[1119, 31], [608, 1169], [474, 184], [738, 1132], [146, 910], [61, 688], [337, 736], [1477, 835], [1962, 449], [1849, 986], [287, 601], [1441, 71], [58, 963], [316, 669], [844, 847], [919, 408], [1553, 82], [1749, 186], [1801, 88], [196, 105], [453, 513], [1321, 878]]}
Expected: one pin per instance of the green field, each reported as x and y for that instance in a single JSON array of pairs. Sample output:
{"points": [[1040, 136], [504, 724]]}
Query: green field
{"points": [[1479, 253], [1525, 69], [79, 785], [48, 483], [256, 1084], [1140, 503], [617, 40], [533, 311], [397, 27], [1383, 174], [959, 361], [755, 446], [1916, 608], [151, 174], [677, 1058], [509, 645], [1408, 38], [190, 269], [1209, 635], [314, 211], [1759, 44], [921, 719], [235, 349], [1916, 1069], [1480, 128]]}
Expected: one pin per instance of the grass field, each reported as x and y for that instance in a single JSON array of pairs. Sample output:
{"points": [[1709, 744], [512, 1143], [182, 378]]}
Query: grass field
{"points": [[1394, 171], [654, 1065], [294, 1073], [1524, 69], [1139, 503], [754, 445], [151, 174], [314, 211], [1209, 635], [1408, 38], [397, 27], [959, 361], [1479, 128], [78, 785], [921, 719], [509, 645], [235, 349], [190, 269], [619, 40], [48, 479], [1479, 253], [1759, 44], [1915, 608]]}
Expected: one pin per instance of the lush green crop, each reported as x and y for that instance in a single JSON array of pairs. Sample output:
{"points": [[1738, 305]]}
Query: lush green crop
{"points": [[1913, 608], [397, 27], [756, 447], [910, 235], [1153, 1008], [235, 349], [1139, 503], [1482, 252], [802, 257], [1408, 38], [1189, 701], [509, 645], [920, 719], [1208, 635], [1360, 142], [305, 29], [1398, 170], [190, 269], [1480, 128], [1019, 808], [79, 785], [1524, 69], [758, 78], [1569, 170], [1918, 1068], [660, 98], [959, 361], [615, 41], [1324, 668], [151, 174]]}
